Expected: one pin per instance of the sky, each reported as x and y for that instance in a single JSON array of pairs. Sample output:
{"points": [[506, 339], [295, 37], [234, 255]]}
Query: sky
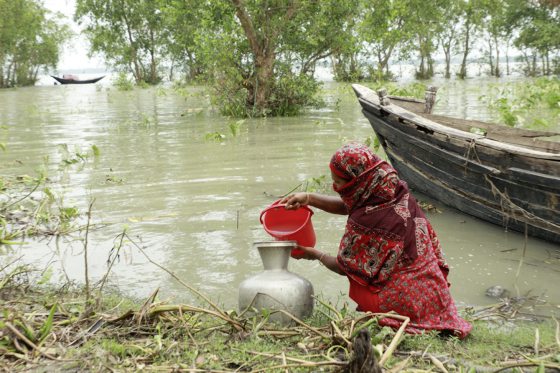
{"points": [[74, 53]]}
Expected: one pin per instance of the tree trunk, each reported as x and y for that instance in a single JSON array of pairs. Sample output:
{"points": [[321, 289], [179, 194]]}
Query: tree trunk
{"points": [[463, 69], [264, 67], [497, 71], [153, 64], [421, 67], [491, 57], [263, 49], [534, 68], [133, 53], [11, 74], [507, 59], [447, 52], [430, 62]]}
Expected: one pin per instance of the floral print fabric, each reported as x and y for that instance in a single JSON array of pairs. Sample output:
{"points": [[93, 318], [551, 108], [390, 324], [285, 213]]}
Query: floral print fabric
{"points": [[389, 251]]}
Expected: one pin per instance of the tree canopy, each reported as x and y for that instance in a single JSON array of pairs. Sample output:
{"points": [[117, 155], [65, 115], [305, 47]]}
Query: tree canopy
{"points": [[30, 39], [260, 56]]}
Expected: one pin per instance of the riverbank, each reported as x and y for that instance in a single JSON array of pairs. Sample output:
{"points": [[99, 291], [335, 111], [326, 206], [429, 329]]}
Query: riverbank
{"points": [[68, 329]]}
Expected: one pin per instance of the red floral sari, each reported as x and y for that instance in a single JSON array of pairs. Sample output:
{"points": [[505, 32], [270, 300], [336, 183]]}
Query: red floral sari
{"points": [[389, 251]]}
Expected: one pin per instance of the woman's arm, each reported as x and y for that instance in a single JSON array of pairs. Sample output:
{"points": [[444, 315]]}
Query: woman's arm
{"points": [[328, 261], [331, 263], [331, 204]]}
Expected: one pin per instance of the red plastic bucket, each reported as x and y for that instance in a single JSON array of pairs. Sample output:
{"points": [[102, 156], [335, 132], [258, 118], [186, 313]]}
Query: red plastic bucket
{"points": [[289, 225]]}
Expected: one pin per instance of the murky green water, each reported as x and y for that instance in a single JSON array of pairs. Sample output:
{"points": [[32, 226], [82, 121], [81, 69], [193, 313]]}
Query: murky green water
{"points": [[194, 204]]}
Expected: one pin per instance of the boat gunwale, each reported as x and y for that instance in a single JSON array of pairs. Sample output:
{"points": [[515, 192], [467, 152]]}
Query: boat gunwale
{"points": [[64, 81], [368, 96]]}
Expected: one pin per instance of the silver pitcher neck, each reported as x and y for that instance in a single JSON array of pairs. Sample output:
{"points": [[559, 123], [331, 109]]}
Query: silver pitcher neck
{"points": [[275, 254]]}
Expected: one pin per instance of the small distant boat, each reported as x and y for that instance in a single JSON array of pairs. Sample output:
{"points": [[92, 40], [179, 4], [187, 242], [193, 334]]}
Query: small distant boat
{"points": [[506, 176], [73, 79]]}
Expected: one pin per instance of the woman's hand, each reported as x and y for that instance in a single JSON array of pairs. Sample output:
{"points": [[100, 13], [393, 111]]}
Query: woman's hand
{"points": [[296, 200], [308, 253]]}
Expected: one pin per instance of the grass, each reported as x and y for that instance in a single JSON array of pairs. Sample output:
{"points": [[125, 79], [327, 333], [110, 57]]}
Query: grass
{"points": [[62, 329]]}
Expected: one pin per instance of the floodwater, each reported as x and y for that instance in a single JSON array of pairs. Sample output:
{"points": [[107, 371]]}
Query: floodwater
{"points": [[193, 203]]}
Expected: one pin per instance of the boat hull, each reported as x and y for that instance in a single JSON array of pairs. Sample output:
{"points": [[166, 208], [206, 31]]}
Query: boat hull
{"points": [[503, 187], [76, 81]]}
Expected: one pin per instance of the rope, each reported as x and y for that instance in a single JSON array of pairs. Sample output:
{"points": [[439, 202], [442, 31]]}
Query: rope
{"points": [[507, 206]]}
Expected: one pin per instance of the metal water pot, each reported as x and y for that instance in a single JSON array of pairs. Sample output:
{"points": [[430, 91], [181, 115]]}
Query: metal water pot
{"points": [[276, 288]]}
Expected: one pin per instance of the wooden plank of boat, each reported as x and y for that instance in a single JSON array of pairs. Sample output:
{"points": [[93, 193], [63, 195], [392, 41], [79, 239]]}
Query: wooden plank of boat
{"points": [[464, 135], [506, 183], [77, 81], [466, 173], [465, 203], [489, 156], [516, 136]]}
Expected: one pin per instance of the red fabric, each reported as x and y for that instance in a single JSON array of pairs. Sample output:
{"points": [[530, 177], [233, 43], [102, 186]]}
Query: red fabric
{"points": [[389, 251]]}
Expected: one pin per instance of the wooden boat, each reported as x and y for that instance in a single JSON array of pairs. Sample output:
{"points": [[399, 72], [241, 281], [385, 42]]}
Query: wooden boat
{"points": [[503, 175], [73, 79]]}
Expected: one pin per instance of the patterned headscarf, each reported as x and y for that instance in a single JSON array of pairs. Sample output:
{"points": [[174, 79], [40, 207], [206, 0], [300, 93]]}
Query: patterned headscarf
{"points": [[371, 180]]}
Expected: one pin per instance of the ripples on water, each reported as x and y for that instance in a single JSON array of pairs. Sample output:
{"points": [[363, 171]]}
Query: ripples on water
{"points": [[194, 204]]}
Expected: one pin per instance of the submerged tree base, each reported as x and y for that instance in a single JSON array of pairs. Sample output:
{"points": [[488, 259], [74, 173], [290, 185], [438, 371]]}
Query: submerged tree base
{"points": [[68, 329]]}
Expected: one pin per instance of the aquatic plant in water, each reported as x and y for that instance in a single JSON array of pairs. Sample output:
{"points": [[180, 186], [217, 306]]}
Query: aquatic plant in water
{"points": [[29, 208], [413, 90], [532, 104]]}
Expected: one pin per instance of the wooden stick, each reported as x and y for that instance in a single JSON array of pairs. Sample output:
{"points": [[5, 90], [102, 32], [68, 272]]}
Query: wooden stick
{"points": [[86, 267], [537, 342], [438, 363], [339, 332], [284, 361], [303, 365], [396, 339], [293, 359], [316, 331], [557, 331], [399, 366]]}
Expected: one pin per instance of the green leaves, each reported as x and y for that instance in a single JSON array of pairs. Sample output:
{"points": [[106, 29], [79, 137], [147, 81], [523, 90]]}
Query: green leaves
{"points": [[529, 104], [30, 39], [47, 325]]}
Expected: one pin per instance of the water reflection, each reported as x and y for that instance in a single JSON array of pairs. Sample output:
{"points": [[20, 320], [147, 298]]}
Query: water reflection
{"points": [[193, 204]]}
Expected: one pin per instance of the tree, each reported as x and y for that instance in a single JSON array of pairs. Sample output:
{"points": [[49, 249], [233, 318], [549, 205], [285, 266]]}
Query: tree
{"points": [[498, 30], [425, 22], [261, 54], [450, 29], [385, 26], [539, 30], [471, 21], [185, 23], [129, 33], [26, 50]]}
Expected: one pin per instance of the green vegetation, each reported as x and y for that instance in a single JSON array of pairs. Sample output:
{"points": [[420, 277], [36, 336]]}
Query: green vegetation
{"points": [[47, 329], [30, 40], [30, 208], [534, 104], [259, 57]]}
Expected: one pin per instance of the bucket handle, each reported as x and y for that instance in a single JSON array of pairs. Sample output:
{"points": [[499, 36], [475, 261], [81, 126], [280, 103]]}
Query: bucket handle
{"points": [[277, 205]]}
